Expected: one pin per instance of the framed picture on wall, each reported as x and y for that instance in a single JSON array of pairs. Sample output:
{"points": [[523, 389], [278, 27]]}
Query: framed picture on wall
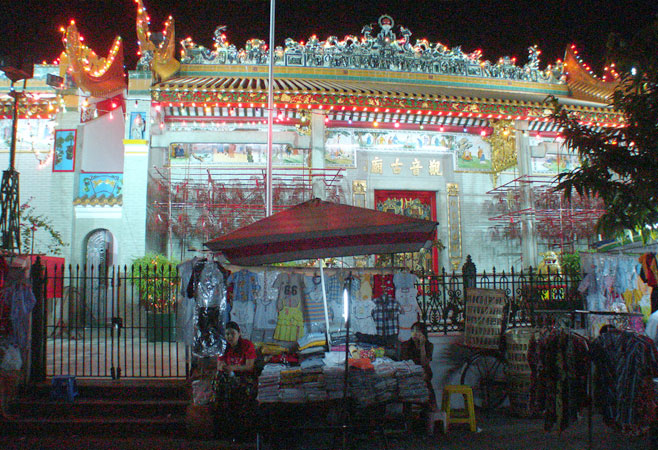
{"points": [[137, 125], [64, 155]]}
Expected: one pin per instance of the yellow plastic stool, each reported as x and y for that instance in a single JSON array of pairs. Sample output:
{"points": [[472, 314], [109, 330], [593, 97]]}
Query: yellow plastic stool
{"points": [[466, 415]]}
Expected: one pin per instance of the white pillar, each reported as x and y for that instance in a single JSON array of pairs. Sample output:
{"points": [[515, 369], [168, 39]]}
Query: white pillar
{"points": [[528, 235], [317, 153]]}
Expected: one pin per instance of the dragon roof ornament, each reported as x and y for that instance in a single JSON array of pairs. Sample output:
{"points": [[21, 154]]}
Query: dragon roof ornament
{"points": [[385, 51]]}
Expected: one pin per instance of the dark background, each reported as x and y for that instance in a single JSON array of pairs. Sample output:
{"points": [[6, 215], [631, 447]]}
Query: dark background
{"points": [[30, 28]]}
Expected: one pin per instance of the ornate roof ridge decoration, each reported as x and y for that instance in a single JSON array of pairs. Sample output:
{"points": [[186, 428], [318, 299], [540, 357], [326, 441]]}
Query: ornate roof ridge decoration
{"points": [[159, 58], [333, 97], [582, 83], [382, 52], [97, 76]]}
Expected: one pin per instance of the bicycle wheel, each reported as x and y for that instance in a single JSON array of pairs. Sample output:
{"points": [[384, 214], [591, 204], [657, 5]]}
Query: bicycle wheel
{"points": [[485, 374]]}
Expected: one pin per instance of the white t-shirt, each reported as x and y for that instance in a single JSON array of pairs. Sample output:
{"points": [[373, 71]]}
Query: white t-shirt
{"points": [[266, 313], [405, 294], [361, 317]]}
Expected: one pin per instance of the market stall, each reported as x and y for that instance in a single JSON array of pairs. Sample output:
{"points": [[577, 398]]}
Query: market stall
{"points": [[331, 362]]}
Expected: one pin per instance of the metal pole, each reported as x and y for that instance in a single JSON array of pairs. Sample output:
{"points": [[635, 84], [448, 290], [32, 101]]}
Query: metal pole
{"points": [[270, 115], [14, 125]]}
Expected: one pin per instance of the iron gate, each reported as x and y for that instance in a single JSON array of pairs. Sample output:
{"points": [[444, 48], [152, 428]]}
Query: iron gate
{"points": [[96, 324]]}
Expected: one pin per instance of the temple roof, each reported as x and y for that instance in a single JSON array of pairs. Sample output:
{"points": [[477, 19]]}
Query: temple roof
{"points": [[341, 89]]}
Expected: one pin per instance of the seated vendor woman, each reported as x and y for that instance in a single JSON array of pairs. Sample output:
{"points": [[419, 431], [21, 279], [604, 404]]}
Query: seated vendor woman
{"points": [[235, 396], [240, 356], [419, 350]]}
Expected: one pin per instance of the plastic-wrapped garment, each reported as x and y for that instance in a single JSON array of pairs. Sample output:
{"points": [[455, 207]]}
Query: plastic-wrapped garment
{"points": [[209, 332], [207, 286], [186, 305]]}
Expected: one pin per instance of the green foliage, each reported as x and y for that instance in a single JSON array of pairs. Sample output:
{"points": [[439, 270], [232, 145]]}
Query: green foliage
{"points": [[570, 263], [33, 226], [620, 165], [156, 278]]}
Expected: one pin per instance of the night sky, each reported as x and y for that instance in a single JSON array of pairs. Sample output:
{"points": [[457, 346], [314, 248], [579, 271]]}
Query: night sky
{"points": [[30, 28]]}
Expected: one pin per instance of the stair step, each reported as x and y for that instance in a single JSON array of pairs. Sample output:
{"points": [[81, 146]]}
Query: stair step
{"points": [[118, 389], [85, 407], [105, 426]]}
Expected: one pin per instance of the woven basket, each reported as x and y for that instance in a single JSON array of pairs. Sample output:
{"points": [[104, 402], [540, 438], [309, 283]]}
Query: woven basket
{"points": [[520, 396], [483, 317], [517, 343]]}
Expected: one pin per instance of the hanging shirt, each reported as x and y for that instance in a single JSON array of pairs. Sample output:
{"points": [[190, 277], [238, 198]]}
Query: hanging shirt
{"points": [[361, 317], [243, 314], [246, 285], [313, 301], [405, 294], [290, 323], [290, 289], [366, 286], [383, 285], [386, 316]]}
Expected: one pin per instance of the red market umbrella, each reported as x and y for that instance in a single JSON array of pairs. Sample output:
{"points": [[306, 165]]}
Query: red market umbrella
{"points": [[320, 229]]}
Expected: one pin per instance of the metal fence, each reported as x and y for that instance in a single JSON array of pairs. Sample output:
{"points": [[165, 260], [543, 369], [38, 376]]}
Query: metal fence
{"points": [[441, 297], [111, 322], [121, 321]]}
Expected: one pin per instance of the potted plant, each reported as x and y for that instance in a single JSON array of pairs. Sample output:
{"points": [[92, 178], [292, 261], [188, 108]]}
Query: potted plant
{"points": [[156, 279]]}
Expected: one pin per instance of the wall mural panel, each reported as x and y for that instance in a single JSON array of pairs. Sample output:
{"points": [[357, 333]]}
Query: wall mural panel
{"points": [[235, 154], [471, 153], [32, 134], [64, 156]]}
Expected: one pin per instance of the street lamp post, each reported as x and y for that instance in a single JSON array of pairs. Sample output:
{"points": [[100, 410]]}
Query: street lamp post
{"points": [[9, 189]]}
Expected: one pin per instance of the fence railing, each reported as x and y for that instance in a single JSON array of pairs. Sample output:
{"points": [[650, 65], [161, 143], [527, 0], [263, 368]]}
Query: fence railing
{"points": [[113, 322], [441, 296], [121, 321]]}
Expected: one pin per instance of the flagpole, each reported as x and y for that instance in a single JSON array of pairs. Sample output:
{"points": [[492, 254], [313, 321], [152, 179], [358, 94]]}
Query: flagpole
{"points": [[270, 116]]}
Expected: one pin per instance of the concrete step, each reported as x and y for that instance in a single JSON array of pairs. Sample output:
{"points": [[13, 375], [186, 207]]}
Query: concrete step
{"points": [[102, 408], [96, 426], [97, 407], [118, 389]]}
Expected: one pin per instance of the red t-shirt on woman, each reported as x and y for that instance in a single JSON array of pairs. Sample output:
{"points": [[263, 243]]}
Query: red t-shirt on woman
{"points": [[238, 355]]}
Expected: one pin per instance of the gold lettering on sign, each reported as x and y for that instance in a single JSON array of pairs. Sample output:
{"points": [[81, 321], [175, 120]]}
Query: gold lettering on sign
{"points": [[435, 167], [397, 166], [454, 225], [377, 165], [359, 193], [415, 167]]}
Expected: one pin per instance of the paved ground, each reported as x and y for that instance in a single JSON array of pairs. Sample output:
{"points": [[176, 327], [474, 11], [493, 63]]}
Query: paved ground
{"points": [[499, 431]]}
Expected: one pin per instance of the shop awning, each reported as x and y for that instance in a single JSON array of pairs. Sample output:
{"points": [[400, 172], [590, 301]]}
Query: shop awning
{"points": [[320, 229]]}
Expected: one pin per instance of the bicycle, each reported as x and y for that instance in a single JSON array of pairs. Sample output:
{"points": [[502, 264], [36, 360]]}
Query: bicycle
{"points": [[485, 370]]}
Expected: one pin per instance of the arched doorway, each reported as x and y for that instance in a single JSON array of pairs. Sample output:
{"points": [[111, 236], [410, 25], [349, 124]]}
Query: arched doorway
{"points": [[98, 260]]}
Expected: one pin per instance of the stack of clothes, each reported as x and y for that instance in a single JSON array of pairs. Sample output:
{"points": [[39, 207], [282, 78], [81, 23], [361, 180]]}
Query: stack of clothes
{"points": [[387, 384], [313, 379], [290, 386], [268, 383], [411, 382], [311, 345], [362, 380]]}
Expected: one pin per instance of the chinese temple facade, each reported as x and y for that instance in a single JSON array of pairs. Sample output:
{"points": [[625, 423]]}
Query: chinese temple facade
{"points": [[175, 152]]}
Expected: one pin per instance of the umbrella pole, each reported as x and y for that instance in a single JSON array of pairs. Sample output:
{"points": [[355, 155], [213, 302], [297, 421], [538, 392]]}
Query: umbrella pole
{"points": [[324, 300], [346, 308]]}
